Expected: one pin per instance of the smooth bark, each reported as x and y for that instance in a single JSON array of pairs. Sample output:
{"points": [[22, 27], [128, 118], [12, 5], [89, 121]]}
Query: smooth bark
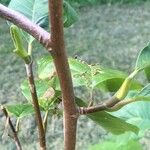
{"points": [[63, 71]]}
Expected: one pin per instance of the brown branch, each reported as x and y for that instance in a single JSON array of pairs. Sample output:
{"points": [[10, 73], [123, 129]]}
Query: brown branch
{"points": [[36, 106], [113, 104], [120, 104], [15, 136], [63, 71], [104, 106], [24, 23]]}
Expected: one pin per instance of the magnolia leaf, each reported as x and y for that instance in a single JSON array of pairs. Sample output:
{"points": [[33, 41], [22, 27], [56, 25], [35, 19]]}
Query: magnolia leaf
{"points": [[46, 104], [143, 60], [109, 122], [90, 76], [45, 67], [137, 113], [35, 10], [80, 71], [114, 84], [47, 95], [142, 95], [70, 16], [147, 73], [116, 145], [126, 141], [20, 110], [145, 92]]}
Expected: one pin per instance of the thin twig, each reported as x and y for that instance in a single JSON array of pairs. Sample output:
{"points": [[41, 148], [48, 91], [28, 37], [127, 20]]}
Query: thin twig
{"points": [[45, 120], [104, 106], [120, 104], [17, 125], [36, 106], [24, 23], [15, 136], [113, 104], [91, 101]]}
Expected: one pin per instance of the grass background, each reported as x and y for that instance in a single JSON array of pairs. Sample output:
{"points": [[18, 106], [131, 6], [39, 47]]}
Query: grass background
{"points": [[110, 35]]}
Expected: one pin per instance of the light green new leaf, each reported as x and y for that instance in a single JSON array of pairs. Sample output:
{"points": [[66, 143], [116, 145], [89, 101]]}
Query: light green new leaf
{"points": [[143, 61], [70, 16], [109, 122], [20, 110], [35, 10]]}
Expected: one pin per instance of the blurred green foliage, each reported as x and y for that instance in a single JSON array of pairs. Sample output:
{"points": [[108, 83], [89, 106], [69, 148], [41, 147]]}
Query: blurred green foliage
{"points": [[91, 2], [5, 2]]}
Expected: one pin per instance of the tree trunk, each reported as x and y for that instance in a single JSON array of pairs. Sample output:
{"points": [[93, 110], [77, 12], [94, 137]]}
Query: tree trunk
{"points": [[63, 71]]}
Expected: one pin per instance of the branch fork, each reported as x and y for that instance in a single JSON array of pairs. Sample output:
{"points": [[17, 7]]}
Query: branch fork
{"points": [[14, 132]]}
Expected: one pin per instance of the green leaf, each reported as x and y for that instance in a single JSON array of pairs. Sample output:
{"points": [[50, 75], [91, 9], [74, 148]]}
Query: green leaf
{"points": [[35, 10], [46, 104], [47, 95], [147, 73], [91, 76], [126, 141], [109, 122], [137, 113], [70, 16], [41, 86], [145, 92], [114, 84], [20, 110], [45, 67], [127, 145], [80, 72], [142, 95], [143, 60], [49, 100], [107, 74], [78, 69]]}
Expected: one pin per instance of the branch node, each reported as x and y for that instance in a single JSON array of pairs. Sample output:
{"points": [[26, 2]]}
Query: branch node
{"points": [[75, 115]]}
